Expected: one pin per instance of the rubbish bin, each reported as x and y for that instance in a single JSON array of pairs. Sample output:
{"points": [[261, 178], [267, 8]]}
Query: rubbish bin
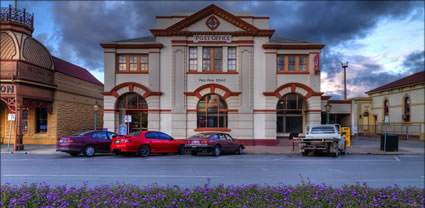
{"points": [[391, 144]]}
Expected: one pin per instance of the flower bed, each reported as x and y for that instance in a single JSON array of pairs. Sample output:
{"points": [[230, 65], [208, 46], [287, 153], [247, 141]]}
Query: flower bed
{"points": [[121, 195]]}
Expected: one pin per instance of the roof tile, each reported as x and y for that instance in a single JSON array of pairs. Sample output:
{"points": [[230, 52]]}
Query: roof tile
{"points": [[412, 79], [74, 71]]}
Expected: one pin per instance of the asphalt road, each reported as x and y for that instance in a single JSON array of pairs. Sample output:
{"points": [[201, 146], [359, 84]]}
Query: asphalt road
{"points": [[189, 171]]}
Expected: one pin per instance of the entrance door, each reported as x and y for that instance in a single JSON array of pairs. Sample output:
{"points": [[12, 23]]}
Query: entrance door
{"points": [[290, 114], [139, 120]]}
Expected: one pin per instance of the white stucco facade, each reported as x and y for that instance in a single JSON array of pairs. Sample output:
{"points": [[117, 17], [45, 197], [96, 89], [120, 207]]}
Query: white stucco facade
{"points": [[173, 90]]}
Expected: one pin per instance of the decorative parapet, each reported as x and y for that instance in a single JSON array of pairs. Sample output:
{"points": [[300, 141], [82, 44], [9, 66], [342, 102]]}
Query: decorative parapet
{"points": [[20, 16]]}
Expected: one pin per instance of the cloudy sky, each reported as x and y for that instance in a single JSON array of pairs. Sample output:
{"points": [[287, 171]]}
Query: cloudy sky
{"points": [[382, 41]]}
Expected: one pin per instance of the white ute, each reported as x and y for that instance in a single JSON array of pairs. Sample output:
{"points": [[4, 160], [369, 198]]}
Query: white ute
{"points": [[322, 138]]}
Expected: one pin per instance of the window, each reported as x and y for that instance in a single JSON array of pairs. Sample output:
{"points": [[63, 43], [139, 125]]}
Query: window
{"points": [[102, 135], [41, 120], [386, 108], [231, 59], [25, 120], [151, 135], [193, 59], [94, 135], [110, 135], [292, 63], [222, 137], [406, 115], [122, 63], [133, 63], [163, 136], [281, 63], [212, 112], [131, 101], [228, 137], [212, 59], [290, 112]]}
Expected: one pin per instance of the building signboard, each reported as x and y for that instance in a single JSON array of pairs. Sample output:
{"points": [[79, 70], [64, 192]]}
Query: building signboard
{"points": [[35, 73], [7, 89], [214, 38], [317, 62]]}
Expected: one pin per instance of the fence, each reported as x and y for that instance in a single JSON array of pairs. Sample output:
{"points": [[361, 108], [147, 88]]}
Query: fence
{"points": [[404, 131]]}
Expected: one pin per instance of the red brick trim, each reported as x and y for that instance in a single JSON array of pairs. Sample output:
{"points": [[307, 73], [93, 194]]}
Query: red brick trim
{"points": [[314, 111], [213, 129], [131, 86], [194, 72], [213, 87], [131, 46], [340, 101], [325, 97], [293, 73], [266, 110], [149, 110], [211, 42]]}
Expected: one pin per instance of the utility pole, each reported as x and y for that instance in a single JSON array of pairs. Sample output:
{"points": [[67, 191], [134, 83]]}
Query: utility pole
{"points": [[344, 66]]}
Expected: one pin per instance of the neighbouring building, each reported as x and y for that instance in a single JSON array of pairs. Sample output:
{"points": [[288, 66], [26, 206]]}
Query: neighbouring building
{"points": [[402, 101], [49, 96], [214, 71]]}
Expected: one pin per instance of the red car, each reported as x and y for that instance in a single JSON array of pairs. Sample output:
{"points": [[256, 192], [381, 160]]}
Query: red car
{"points": [[213, 142], [144, 143], [88, 142]]}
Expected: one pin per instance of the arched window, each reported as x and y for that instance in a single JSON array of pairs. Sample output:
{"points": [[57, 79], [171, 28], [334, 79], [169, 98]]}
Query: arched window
{"points": [[212, 112], [406, 115], [134, 105], [386, 108], [290, 113]]}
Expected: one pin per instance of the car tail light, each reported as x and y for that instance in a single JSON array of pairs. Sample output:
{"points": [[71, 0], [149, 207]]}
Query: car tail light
{"points": [[66, 140], [205, 142]]}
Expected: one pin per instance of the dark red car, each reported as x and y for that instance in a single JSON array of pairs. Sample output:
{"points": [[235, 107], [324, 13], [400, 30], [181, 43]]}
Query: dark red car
{"points": [[213, 142], [88, 143], [144, 143]]}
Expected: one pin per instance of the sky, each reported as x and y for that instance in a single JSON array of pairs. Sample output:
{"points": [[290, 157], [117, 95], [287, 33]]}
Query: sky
{"points": [[381, 41]]}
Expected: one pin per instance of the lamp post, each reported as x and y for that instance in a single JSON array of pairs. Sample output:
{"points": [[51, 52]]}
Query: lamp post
{"points": [[344, 66], [96, 108], [328, 108]]}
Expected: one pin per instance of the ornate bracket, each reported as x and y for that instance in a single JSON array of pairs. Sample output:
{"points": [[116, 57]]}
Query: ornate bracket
{"points": [[11, 103]]}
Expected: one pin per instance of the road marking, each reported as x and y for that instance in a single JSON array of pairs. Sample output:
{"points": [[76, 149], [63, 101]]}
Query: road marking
{"points": [[134, 176], [398, 159]]}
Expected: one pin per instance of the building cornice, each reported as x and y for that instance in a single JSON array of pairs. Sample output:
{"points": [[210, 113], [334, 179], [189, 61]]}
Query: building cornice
{"points": [[293, 46], [132, 46]]}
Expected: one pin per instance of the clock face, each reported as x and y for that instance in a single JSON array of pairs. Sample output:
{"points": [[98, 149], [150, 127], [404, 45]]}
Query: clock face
{"points": [[212, 23]]}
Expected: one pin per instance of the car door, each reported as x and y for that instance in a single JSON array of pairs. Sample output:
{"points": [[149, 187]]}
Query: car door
{"points": [[167, 143], [102, 142], [154, 142], [233, 146], [224, 143]]}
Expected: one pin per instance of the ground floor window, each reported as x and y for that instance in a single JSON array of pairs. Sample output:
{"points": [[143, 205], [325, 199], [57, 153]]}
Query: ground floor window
{"points": [[41, 120], [25, 120], [290, 113], [212, 112], [134, 105]]}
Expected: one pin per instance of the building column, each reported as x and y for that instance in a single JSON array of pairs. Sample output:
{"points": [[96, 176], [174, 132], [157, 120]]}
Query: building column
{"points": [[178, 109], [18, 144]]}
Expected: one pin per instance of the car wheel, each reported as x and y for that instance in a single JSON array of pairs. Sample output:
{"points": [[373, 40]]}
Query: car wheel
{"points": [[89, 151], [194, 153], [181, 150], [74, 154], [144, 151], [240, 150], [217, 150]]}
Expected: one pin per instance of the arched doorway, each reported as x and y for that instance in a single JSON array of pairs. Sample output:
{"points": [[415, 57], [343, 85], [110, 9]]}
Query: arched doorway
{"points": [[211, 112], [290, 114], [135, 105]]}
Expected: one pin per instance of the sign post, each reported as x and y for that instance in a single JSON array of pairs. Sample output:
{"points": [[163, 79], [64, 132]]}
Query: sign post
{"points": [[386, 129], [127, 120], [10, 117]]}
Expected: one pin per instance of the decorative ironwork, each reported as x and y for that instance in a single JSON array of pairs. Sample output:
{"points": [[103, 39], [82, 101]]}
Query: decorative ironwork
{"points": [[11, 103], [28, 103], [17, 15]]}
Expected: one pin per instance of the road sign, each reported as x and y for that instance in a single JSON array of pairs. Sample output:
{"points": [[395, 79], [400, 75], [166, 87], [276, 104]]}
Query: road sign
{"points": [[354, 129], [386, 119], [11, 117], [127, 119], [123, 129]]}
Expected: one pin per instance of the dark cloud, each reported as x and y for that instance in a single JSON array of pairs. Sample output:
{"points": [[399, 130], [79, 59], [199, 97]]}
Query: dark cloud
{"points": [[414, 62]]}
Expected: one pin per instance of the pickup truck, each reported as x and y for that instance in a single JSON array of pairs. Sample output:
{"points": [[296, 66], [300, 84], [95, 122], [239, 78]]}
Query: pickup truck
{"points": [[324, 138]]}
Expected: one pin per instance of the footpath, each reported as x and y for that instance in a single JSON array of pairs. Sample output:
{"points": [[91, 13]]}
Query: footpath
{"points": [[363, 145]]}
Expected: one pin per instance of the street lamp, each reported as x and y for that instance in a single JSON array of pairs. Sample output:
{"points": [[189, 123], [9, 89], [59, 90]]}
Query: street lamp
{"points": [[344, 66], [96, 108], [328, 108]]}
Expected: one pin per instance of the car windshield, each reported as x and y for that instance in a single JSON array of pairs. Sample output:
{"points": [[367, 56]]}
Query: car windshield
{"points": [[82, 133], [135, 134], [323, 130], [202, 135]]}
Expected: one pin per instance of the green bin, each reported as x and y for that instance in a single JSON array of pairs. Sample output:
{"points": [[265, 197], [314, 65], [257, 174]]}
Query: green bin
{"points": [[391, 144]]}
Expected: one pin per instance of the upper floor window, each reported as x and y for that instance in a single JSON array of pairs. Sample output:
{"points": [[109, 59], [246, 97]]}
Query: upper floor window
{"points": [[231, 59], [193, 59], [212, 59], [406, 115], [292, 63], [133, 63]]}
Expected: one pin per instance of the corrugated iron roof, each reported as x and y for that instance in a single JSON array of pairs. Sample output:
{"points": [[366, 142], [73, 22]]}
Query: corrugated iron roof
{"points": [[412, 79], [74, 71]]}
